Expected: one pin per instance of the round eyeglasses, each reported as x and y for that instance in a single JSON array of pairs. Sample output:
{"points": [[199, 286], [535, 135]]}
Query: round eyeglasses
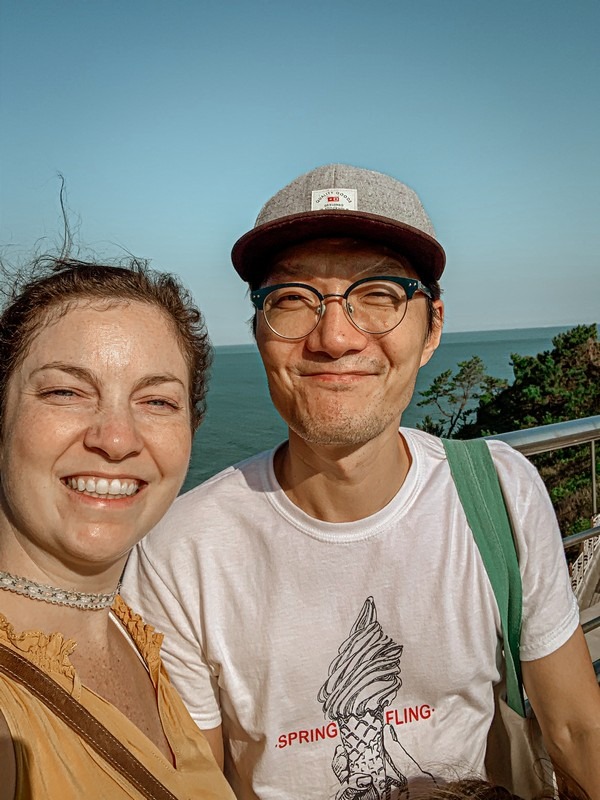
{"points": [[373, 305]]}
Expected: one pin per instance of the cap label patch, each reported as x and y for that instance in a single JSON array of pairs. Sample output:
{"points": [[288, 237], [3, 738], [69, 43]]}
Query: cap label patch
{"points": [[323, 199]]}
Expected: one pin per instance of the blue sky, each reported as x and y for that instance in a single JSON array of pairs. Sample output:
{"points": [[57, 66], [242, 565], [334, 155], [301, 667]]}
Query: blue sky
{"points": [[174, 121]]}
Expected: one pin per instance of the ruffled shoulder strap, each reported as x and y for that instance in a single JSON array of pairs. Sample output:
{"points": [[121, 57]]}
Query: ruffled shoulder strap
{"points": [[146, 639], [50, 652]]}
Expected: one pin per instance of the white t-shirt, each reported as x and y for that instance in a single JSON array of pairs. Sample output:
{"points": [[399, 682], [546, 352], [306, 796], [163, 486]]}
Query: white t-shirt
{"points": [[344, 654]]}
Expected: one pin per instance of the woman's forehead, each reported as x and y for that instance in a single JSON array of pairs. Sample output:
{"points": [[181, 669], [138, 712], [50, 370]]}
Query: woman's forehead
{"points": [[83, 326]]}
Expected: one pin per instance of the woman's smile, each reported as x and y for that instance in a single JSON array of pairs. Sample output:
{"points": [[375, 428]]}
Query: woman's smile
{"points": [[106, 488]]}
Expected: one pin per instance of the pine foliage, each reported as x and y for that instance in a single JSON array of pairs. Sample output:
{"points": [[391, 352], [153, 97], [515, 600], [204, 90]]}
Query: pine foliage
{"points": [[554, 386]]}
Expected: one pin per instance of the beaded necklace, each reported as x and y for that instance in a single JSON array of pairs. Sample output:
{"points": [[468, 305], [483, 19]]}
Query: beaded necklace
{"points": [[51, 594]]}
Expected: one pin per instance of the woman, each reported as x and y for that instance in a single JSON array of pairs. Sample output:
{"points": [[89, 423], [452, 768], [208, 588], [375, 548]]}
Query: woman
{"points": [[103, 384]]}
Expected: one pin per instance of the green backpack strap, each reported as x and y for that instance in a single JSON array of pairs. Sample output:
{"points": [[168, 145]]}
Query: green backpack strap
{"points": [[476, 480]]}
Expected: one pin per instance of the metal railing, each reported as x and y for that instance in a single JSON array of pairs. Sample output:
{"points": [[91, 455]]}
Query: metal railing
{"points": [[553, 437]]}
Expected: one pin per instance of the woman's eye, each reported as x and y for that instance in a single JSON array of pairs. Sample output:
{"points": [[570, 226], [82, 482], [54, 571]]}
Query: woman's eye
{"points": [[160, 402], [58, 393]]}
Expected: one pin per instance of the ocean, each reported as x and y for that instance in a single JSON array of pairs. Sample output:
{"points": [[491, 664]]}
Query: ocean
{"points": [[241, 420]]}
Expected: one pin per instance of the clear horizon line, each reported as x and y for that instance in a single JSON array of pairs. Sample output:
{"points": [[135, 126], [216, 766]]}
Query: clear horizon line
{"points": [[466, 330]]}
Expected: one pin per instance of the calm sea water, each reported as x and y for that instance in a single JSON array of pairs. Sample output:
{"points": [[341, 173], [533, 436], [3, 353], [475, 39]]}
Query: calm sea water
{"points": [[241, 419]]}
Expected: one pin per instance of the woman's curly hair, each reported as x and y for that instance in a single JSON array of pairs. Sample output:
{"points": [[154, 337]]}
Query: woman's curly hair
{"points": [[51, 285]]}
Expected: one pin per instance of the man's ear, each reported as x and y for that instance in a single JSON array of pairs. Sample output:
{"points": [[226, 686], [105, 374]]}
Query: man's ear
{"points": [[435, 335]]}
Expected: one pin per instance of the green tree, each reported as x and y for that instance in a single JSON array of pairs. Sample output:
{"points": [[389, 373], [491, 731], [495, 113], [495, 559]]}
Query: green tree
{"points": [[553, 386], [455, 396], [557, 385]]}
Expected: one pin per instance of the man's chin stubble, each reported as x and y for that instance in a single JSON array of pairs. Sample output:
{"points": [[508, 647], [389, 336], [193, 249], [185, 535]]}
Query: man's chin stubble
{"points": [[341, 431]]}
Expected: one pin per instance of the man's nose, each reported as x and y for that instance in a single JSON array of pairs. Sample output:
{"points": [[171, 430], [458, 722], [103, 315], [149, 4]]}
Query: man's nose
{"points": [[335, 334]]}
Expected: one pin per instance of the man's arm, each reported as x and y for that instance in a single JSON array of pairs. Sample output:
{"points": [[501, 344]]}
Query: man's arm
{"points": [[565, 696], [8, 766], [214, 737]]}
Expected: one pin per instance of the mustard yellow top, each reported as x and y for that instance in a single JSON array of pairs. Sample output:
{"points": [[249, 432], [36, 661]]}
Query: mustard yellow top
{"points": [[53, 762]]}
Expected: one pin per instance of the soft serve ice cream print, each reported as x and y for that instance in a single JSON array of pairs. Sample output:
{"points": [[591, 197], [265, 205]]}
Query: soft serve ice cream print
{"points": [[363, 680]]}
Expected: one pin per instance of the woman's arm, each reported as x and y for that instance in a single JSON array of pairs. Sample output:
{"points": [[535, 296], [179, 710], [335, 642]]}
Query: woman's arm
{"points": [[8, 765]]}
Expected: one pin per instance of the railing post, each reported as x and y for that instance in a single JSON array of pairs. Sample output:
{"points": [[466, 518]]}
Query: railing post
{"points": [[594, 493]]}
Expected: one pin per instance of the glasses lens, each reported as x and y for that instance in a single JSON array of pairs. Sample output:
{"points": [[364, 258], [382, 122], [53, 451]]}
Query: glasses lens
{"points": [[292, 311], [377, 306]]}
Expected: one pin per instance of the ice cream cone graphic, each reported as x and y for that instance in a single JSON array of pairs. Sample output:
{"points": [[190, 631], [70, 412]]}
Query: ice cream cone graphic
{"points": [[363, 679], [362, 739]]}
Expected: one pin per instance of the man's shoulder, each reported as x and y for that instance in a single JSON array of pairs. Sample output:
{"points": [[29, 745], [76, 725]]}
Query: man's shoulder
{"points": [[424, 446], [427, 440], [224, 503], [250, 475]]}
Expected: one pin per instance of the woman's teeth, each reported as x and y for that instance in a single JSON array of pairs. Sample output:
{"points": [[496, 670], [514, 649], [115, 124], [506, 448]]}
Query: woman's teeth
{"points": [[101, 487]]}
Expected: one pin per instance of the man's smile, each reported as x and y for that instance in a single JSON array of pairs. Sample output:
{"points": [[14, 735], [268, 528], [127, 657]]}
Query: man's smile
{"points": [[337, 377]]}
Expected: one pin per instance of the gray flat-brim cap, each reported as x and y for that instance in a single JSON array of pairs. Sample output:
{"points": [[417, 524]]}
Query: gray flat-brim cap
{"points": [[346, 201]]}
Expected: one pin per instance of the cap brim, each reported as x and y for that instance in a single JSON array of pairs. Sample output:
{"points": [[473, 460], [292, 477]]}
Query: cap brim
{"points": [[252, 252]]}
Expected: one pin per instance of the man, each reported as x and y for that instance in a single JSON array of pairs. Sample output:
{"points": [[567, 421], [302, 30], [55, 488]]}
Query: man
{"points": [[325, 607]]}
